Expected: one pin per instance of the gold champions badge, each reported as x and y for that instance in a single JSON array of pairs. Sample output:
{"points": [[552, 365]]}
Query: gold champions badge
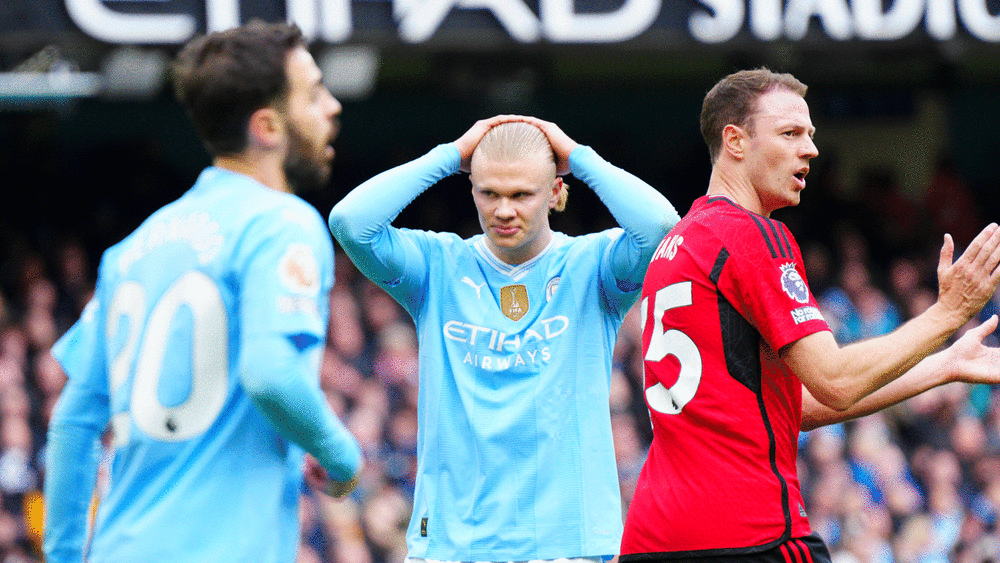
{"points": [[514, 301]]}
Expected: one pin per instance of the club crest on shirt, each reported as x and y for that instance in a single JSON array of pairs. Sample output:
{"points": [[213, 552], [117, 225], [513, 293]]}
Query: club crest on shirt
{"points": [[298, 269], [793, 284], [514, 301], [550, 288]]}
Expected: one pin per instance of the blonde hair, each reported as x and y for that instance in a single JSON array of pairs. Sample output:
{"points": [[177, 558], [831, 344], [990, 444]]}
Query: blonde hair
{"points": [[516, 140]]}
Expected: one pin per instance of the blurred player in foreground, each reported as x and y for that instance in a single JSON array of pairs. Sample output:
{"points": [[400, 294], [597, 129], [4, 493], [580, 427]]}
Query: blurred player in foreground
{"points": [[202, 343], [738, 357], [516, 329]]}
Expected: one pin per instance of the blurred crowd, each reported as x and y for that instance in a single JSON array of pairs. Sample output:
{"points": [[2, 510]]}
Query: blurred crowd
{"points": [[918, 483]]}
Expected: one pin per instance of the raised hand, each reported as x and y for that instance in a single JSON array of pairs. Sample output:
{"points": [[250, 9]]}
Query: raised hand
{"points": [[971, 361], [968, 283]]}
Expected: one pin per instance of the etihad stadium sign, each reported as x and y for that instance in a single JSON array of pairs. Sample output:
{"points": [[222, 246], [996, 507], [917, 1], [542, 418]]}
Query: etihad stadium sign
{"points": [[550, 21]]}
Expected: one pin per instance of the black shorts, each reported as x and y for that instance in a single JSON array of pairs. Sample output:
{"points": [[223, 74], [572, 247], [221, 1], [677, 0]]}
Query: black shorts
{"points": [[809, 549]]}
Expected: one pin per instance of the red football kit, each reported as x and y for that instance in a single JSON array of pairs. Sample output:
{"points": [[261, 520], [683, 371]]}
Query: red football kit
{"points": [[724, 292]]}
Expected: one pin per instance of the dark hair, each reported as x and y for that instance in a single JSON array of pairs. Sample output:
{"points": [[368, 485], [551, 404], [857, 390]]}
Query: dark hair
{"points": [[733, 100], [223, 77]]}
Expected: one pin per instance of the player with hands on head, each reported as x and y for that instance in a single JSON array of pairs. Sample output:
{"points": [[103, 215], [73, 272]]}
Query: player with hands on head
{"points": [[516, 328], [202, 344], [738, 358]]}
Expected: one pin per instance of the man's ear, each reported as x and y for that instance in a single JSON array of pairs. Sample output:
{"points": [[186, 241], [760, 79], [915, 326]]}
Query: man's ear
{"points": [[266, 128], [734, 140], [557, 187]]}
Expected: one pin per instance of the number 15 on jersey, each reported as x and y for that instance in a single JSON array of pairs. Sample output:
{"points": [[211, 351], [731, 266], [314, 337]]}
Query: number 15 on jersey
{"points": [[663, 342]]}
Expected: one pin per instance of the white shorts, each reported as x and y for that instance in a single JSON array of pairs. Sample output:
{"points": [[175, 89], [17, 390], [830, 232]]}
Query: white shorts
{"points": [[560, 560]]}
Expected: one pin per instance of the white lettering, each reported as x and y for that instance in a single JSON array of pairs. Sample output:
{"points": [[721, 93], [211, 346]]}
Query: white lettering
{"points": [[546, 355], [532, 333], [487, 362], [196, 229], [222, 14], [562, 24], [476, 330], [514, 344], [519, 361], [503, 363], [549, 333], [940, 19], [901, 19], [765, 19], [419, 19], [531, 354], [453, 330], [834, 14], [721, 25], [977, 19], [101, 22], [329, 20], [715, 21], [668, 247]]}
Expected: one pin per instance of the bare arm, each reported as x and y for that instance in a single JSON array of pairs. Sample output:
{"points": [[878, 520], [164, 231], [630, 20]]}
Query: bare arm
{"points": [[968, 360], [841, 377]]}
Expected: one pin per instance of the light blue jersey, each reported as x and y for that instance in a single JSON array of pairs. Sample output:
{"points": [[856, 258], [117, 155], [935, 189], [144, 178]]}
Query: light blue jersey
{"points": [[515, 453], [201, 348]]}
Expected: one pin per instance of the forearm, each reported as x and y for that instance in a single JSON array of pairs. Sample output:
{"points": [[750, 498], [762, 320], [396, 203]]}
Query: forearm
{"points": [[361, 221], [841, 377], [72, 459], [369, 208], [642, 212], [928, 373], [292, 401]]}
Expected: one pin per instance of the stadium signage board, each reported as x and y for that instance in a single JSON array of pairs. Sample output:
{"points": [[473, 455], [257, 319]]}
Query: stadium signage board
{"points": [[552, 21]]}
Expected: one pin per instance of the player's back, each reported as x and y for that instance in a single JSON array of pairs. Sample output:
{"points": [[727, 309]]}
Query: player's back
{"points": [[198, 472], [720, 474]]}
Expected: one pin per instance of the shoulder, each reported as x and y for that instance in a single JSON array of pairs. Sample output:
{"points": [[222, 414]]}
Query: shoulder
{"points": [[743, 232]]}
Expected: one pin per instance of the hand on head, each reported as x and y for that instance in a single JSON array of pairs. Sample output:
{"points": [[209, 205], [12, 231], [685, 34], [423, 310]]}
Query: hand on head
{"points": [[968, 283], [468, 142], [562, 145]]}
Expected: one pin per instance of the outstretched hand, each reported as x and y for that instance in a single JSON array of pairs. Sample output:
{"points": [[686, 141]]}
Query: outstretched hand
{"points": [[319, 479], [968, 283], [468, 142], [970, 360]]}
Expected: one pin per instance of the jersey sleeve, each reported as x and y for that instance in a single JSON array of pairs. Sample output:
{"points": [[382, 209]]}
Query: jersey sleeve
{"points": [[73, 445], [768, 283], [643, 213], [284, 305], [361, 223]]}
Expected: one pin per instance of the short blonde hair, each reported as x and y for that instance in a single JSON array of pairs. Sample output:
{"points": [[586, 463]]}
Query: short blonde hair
{"points": [[515, 140]]}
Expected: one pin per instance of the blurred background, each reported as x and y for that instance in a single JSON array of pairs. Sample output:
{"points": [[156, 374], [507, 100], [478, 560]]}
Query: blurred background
{"points": [[905, 95]]}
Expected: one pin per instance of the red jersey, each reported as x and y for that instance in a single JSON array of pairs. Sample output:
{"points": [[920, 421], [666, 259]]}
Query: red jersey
{"points": [[724, 292]]}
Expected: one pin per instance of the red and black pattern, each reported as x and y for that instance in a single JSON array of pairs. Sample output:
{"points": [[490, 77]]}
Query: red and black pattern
{"points": [[720, 478]]}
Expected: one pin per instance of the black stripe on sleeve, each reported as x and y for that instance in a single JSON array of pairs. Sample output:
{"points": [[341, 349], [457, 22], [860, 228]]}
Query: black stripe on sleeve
{"points": [[784, 238], [763, 233], [777, 239]]}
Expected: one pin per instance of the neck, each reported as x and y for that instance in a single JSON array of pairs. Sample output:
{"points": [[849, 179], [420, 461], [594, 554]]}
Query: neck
{"points": [[261, 169], [725, 182]]}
